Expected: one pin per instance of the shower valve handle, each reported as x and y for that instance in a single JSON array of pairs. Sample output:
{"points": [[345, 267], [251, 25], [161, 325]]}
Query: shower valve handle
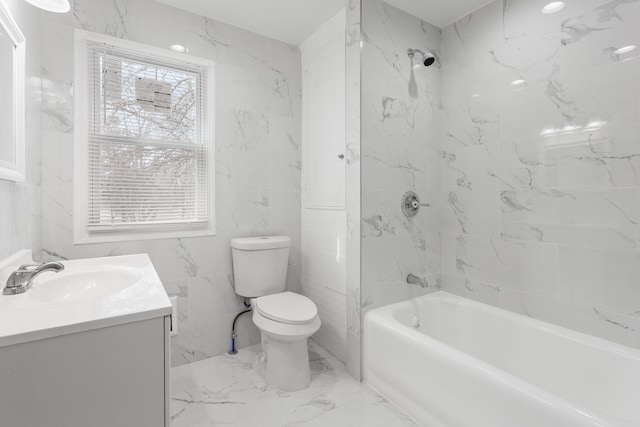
{"points": [[410, 204], [416, 204]]}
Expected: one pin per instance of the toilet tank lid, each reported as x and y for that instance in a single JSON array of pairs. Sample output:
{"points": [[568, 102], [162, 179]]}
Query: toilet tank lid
{"points": [[260, 243]]}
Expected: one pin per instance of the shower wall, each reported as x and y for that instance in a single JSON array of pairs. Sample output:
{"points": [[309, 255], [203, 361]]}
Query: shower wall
{"points": [[400, 131], [541, 162], [353, 43]]}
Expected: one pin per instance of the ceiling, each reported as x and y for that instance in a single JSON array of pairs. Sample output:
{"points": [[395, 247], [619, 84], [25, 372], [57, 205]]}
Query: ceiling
{"points": [[439, 12], [292, 21]]}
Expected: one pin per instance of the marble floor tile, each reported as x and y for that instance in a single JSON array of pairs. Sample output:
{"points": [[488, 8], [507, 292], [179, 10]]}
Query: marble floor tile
{"points": [[226, 391]]}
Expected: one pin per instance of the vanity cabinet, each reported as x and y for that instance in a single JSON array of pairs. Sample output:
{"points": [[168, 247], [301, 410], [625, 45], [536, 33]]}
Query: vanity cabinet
{"points": [[87, 346], [105, 377]]}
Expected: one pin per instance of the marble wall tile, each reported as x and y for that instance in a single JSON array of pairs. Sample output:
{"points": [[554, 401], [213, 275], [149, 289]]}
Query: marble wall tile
{"points": [[391, 259], [258, 91], [539, 191], [475, 120], [400, 151], [473, 289], [383, 217], [591, 37], [605, 324], [528, 266], [600, 278], [598, 218], [470, 212], [354, 43]]}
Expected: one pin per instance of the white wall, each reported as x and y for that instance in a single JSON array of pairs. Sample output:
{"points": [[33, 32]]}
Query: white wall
{"points": [[323, 177], [537, 217], [257, 121], [20, 203], [324, 274], [400, 152]]}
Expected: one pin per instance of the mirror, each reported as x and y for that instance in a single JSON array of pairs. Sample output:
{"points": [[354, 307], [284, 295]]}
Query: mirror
{"points": [[12, 97]]}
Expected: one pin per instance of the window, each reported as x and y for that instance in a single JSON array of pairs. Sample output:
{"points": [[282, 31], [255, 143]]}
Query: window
{"points": [[143, 142]]}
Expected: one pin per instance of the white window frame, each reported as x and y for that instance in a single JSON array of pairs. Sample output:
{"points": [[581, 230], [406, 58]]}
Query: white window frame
{"points": [[81, 235]]}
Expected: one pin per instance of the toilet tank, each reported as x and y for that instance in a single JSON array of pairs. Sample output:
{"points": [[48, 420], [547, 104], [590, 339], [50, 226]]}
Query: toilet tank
{"points": [[260, 265]]}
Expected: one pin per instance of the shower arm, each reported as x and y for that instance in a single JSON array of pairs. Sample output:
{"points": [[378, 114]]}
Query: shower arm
{"points": [[412, 52]]}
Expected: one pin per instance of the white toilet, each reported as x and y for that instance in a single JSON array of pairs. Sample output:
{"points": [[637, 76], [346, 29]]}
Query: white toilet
{"points": [[285, 319]]}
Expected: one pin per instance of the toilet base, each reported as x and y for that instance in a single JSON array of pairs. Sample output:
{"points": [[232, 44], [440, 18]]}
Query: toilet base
{"points": [[284, 362]]}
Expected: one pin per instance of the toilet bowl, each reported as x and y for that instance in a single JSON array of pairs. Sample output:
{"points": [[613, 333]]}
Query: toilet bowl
{"points": [[285, 321]]}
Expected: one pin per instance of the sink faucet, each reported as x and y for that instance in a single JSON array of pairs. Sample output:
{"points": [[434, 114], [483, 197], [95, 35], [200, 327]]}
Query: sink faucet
{"points": [[22, 279]]}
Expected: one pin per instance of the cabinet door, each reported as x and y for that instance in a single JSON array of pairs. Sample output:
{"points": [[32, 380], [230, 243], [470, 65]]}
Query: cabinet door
{"points": [[106, 377], [323, 116]]}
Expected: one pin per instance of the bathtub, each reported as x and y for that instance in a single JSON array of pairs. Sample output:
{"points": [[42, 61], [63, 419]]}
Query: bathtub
{"points": [[469, 364]]}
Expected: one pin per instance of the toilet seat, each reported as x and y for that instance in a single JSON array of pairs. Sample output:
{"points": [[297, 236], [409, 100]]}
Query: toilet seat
{"points": [[287, 315], [288, 308], [285, 331]]}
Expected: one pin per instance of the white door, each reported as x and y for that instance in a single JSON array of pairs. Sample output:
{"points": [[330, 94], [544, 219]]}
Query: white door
{"points": [[323, 116]]}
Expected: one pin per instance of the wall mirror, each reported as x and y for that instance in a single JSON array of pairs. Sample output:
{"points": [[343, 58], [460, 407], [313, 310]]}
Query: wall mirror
{"points": [[12, 98]]}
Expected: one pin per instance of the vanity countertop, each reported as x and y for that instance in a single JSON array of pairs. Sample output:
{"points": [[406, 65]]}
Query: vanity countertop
{"points": [[71, 301]]}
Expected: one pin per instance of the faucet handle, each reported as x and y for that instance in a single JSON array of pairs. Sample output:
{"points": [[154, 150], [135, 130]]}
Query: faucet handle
{"points": [[25, 268]]}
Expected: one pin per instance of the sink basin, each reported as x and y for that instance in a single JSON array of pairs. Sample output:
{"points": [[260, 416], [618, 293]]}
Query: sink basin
{"points": [[88, 294], [82, 283]]}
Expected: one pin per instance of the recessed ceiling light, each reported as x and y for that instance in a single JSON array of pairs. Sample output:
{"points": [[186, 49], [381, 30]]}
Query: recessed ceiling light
{"points": [[179, 48], [57, 6], [518, 82], [553, 7], [625, 49]]}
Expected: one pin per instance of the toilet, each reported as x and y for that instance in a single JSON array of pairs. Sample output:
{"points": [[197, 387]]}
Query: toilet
{"points": [[285, 319]]}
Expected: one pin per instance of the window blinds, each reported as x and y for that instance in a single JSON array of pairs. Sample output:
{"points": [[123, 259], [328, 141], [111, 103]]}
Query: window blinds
{"points": [[147, 150]]}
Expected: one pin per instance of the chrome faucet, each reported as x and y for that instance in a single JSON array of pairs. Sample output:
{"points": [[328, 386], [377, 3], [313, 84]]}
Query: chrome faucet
{"points": [[21, 280], [415, 280]]}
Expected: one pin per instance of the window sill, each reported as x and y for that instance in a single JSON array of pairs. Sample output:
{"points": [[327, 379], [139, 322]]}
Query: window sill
{"points": [[84, 238]]}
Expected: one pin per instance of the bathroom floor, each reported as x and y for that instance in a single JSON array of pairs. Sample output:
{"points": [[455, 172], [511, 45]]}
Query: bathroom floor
{"points": [[226, 391]]}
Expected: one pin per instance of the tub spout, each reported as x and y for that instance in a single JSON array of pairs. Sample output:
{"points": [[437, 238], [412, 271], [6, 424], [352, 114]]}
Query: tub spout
{"points": [[415, 280]]}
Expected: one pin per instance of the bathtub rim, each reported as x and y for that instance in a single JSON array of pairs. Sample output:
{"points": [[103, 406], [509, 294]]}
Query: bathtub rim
{"points": [[564, 332], [385, 317]]}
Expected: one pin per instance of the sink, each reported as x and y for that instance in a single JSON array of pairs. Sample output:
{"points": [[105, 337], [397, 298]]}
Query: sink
{"points": [[80, 283], [88, 294]]}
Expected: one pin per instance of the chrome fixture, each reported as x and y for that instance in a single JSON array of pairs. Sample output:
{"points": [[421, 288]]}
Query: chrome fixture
{"points": [[410, 204], [415, 280], [416, 322], [427, 57], [22, 279]]}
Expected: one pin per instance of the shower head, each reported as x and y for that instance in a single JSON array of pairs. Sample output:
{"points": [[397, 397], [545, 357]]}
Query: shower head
{"points": [[427, 58]]}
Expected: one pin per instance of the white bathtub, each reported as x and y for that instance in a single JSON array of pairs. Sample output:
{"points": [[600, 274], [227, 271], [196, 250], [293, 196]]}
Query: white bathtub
{"points": [[474, 365]]}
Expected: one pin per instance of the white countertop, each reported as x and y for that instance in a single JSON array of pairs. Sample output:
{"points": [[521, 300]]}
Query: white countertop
{"points": [[24, 318]]}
